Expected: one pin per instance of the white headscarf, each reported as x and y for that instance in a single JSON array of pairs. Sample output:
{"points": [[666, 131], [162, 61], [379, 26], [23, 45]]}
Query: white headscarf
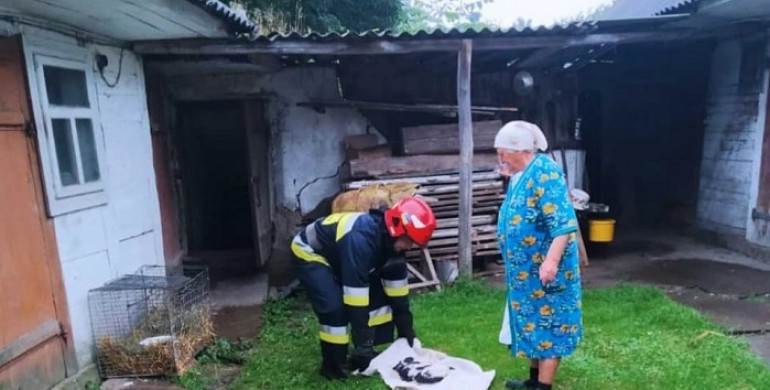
{"points": [[521, 136]]}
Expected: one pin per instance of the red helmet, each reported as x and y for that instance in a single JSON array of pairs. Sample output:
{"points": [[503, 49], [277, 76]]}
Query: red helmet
{"points": [[413, 217]]}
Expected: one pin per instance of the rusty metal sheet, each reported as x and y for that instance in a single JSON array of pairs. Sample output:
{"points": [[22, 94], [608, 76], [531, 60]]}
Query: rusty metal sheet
{"points": [[37, 369], [29, 341], [25, 278], [32, 352]]}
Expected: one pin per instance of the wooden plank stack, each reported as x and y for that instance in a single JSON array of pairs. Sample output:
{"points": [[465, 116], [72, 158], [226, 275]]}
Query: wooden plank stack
{"points": [[424, 164], [442, 192], [429, 149], [431, 162], [445, 139]]}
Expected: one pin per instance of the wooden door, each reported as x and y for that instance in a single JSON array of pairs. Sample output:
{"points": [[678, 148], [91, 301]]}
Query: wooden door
{"points": [[258, 137], [161, 121], [761, 213], [34, 353]]}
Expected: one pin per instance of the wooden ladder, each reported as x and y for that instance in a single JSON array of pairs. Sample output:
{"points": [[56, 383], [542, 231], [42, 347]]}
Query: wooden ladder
{"points": [[424, 281]]}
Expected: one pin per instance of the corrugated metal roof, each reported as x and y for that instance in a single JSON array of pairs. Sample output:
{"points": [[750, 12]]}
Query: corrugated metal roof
{"points": [[422, 34], [685, 7], [236, 22], [580, 28], [634, 9]]}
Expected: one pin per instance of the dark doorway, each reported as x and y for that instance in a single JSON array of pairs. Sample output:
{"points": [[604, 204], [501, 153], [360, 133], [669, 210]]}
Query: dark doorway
{"points": [[216, 177], [224, 151], [643, 132]]}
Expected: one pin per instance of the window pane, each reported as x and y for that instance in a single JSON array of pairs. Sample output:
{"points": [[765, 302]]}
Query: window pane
{"points": [[66, 87], [87, 144], [65, 151]]}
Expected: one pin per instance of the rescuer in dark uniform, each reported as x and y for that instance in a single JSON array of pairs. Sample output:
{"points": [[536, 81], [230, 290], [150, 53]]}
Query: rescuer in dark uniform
{"points": [[352, 266]]}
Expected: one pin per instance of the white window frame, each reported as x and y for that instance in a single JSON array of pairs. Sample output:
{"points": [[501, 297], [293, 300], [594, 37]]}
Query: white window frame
{"points": [[59, 198]]}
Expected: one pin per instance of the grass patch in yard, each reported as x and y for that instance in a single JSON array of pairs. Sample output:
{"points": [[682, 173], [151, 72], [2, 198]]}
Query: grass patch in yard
{"points": [[759, 298], [217, 366], [635, 338], [208, 376]]}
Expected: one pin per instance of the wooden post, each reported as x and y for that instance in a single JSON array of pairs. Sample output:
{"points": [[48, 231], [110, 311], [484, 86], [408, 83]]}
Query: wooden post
{"points": [[466, 157]]}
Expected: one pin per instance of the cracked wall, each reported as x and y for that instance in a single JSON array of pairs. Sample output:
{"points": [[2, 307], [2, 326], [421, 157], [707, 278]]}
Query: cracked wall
{"points": [[307, 151]]}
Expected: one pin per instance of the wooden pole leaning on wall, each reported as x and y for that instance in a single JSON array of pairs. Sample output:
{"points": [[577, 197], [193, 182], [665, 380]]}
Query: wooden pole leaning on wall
{"points": [[465, 257]]}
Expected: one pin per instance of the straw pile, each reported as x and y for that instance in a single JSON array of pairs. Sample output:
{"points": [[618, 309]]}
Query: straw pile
{"points": [[372, 197], [128, 357]]}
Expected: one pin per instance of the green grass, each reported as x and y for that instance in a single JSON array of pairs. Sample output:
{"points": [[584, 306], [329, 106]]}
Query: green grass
{"points": [[759, 298], [217, 365], [194, 379], [635, 338]]}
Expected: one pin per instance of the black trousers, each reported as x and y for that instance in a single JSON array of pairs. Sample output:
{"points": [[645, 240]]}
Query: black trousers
{"points": [[325, 293]]}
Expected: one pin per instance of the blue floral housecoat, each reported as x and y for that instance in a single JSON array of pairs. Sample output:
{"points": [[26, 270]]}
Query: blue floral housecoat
{"points": [[545, 321]]}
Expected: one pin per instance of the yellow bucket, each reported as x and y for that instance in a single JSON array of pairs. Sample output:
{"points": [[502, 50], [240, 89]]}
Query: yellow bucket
{"points": [[601, 230]]}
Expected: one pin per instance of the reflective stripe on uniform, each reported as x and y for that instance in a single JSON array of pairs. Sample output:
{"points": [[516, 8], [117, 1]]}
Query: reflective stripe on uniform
{"points": [[355, 296], [332, 219], [396, 288], [380, 316], [311, 235], [305, 252], [345, 225], [334, 334]]}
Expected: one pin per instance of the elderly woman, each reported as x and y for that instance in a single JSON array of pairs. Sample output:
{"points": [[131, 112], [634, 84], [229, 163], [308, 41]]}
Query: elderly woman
{"points": [[536, 233]]}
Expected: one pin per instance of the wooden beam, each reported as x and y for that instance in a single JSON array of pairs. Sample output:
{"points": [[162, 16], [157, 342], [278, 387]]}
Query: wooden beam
{"points": [[412, 165], [423, 180], [590, 56], [449, 109], [200, 46], [443, 139], [435, 63], [539, 56], [417, 286], [449, 223], [417, 273], [466, 157], [480, 60], [452, 189], [443, 233]]}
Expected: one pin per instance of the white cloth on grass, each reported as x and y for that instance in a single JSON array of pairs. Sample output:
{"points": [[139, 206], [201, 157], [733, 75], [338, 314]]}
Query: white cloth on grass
{"points": [[405, 368], [505, 329]]}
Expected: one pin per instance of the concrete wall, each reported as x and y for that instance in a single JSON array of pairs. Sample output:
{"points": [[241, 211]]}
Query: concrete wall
{"points": [[99, 243], [307, 146], [731, 143]]}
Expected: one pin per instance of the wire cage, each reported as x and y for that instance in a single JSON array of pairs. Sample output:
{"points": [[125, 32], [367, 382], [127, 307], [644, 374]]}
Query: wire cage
{"points": [[150, 323]]}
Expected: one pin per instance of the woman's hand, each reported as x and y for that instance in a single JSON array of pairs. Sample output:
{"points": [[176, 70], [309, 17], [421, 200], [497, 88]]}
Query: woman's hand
{"points": [[548, 271], [551, 264]]}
